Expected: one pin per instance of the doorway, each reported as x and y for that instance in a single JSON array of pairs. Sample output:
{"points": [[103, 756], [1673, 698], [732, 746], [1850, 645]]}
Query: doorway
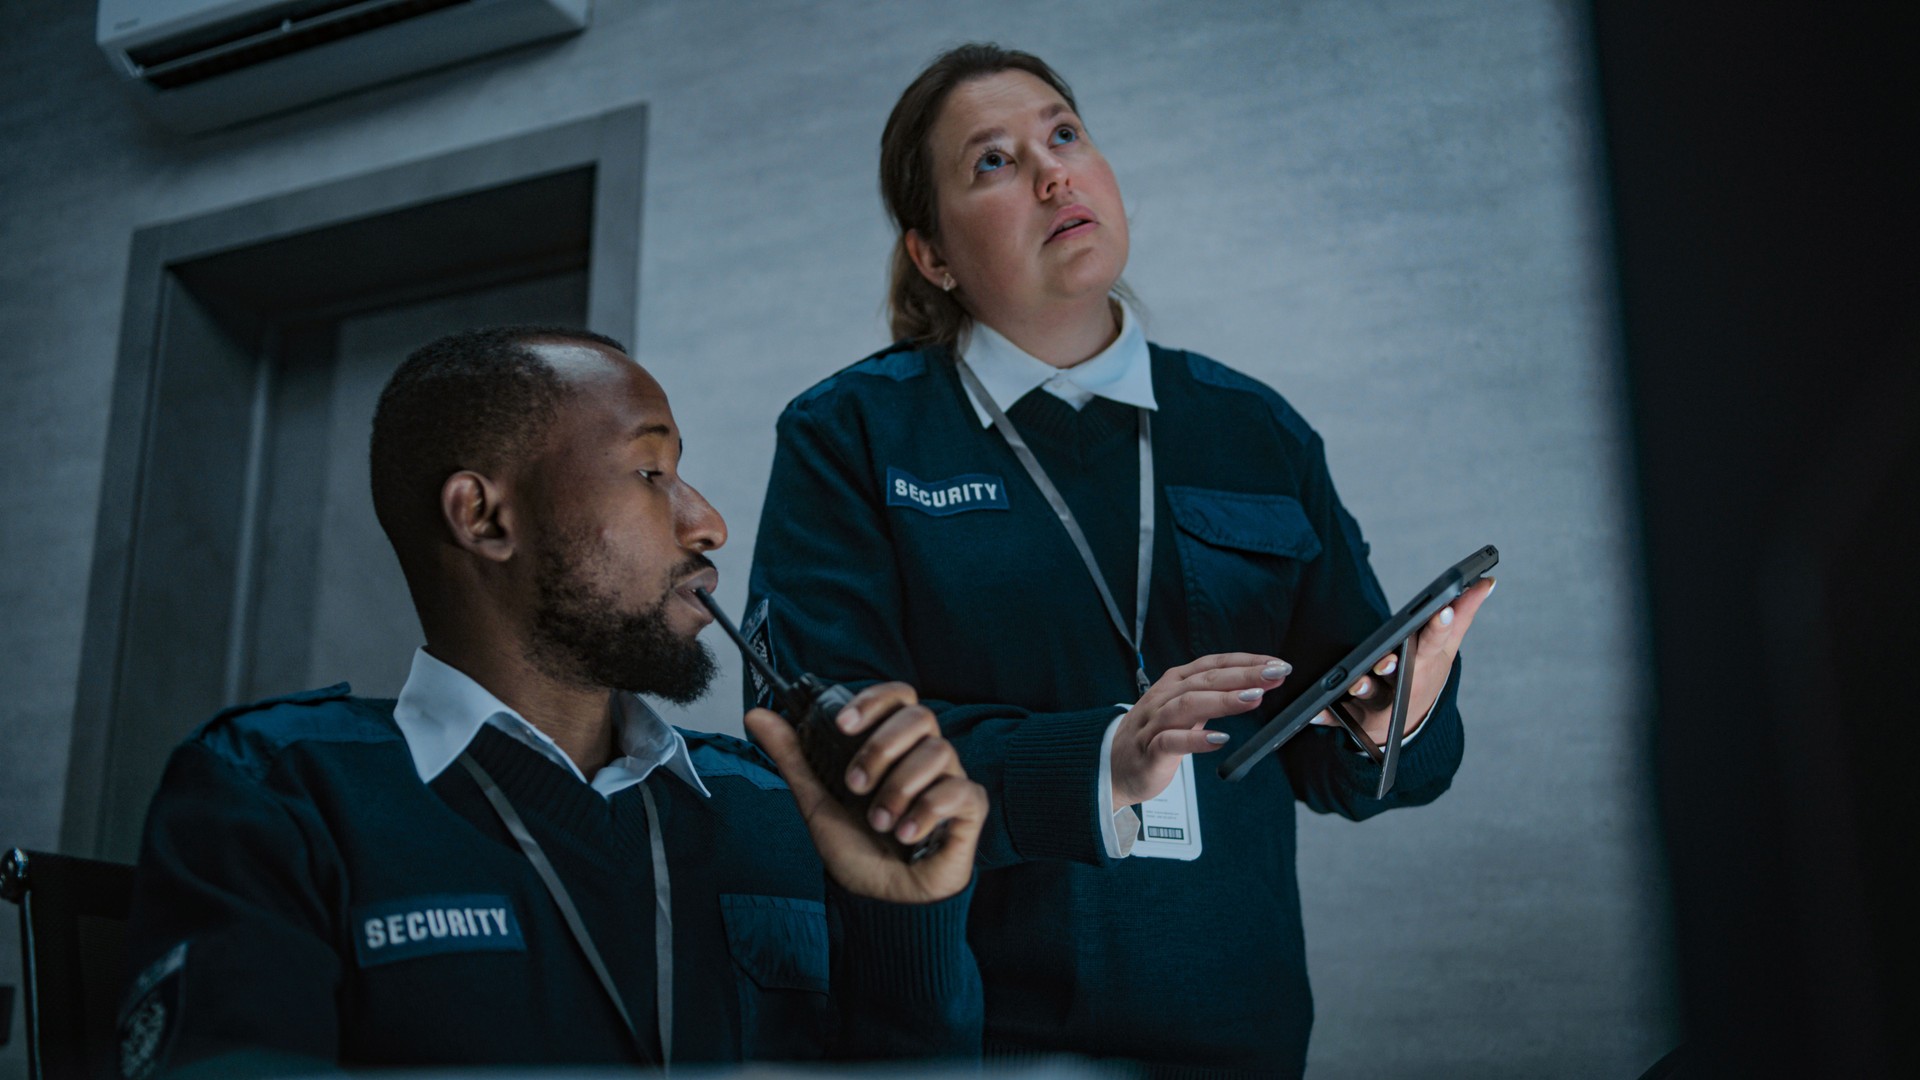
{"points": [[238, 556], [328, 603]]}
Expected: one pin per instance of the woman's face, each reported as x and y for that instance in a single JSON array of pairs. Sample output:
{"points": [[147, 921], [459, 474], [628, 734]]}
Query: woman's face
{"points": [[1029, 212]]}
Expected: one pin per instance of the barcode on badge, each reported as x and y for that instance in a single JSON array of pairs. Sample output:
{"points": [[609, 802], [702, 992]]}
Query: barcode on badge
{"points": [[1165, 832]]}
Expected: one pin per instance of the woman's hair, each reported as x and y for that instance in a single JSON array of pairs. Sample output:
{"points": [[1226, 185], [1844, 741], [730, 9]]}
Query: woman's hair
{"points": [[918, 311]]}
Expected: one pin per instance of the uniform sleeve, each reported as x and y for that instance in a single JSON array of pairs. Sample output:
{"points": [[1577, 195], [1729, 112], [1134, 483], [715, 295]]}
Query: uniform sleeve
{"points": [[229, 941], [1339, 603], [905, 981], [824, 567]]}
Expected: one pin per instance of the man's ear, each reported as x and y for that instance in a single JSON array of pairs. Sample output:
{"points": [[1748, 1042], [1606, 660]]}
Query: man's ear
{"points": [[927, 259], [477, 516]]}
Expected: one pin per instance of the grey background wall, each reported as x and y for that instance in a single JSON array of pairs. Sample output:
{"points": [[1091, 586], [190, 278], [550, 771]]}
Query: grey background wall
{"points": [[1387, 211]]}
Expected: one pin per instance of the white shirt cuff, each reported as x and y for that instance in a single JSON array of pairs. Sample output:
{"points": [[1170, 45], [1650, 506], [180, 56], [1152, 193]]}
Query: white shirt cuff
{"points": [[1118, 828], [1405, 740]]}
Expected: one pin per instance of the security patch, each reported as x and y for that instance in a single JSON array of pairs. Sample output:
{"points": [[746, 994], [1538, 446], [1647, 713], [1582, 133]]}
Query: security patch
{"points": [[971, 491], [151, 1016], [758, 630], [427, 925]]}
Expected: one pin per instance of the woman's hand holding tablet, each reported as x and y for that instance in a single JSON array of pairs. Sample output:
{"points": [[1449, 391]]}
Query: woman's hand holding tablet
{"points": [[1436, 644], [1433, 622]]}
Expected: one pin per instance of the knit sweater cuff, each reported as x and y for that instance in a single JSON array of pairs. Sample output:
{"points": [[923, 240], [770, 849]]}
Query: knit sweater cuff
{"points": [[911, 952], [1048, 795], [1434, 754]]}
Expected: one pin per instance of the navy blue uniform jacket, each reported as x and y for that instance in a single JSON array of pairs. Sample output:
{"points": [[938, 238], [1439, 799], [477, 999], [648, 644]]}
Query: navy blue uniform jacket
{"points": [[302, 894], [902, 540]]}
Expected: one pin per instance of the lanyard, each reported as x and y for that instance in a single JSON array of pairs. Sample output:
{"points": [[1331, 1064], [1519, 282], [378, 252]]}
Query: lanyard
{"points": [[1072, 525], [663, 909]]}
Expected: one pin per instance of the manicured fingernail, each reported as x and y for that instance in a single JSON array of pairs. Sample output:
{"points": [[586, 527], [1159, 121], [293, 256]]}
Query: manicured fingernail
{"points": [[1279, 669], [1216, 737], [908, 831], [857, 779], [848, 718], [1492, 584], [1362, 688], [1388, 665], [880, 818], [1446, 616], [1252, 693]]}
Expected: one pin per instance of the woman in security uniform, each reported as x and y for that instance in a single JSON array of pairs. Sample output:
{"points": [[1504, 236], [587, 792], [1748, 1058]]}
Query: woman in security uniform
{"points": [[970, 510]]}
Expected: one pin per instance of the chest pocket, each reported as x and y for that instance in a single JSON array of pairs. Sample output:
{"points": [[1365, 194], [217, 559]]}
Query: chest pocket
{"points": [[1241, 555], [779, 948]]}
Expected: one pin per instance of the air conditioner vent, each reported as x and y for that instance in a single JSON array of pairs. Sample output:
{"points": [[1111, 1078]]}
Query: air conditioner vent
{"points": [[198, 65], [243, 43]]}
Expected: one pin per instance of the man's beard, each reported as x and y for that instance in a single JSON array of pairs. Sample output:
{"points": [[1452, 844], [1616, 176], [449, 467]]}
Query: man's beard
{"points": [[581, 636]]}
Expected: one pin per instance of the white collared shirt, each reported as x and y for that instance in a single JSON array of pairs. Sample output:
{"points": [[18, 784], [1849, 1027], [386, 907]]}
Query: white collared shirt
{"points": [[442, 708], [1122, 372]]}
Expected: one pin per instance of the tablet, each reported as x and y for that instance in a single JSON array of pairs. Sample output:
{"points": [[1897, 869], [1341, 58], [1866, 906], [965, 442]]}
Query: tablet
{"points": [[1332, 684]]}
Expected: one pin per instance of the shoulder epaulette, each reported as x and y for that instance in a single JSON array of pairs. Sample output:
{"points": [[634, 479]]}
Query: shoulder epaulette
{"points": [[298, 697], [1214, 373], [901, 346], [899, 362], [715, 754], [253, 735]]}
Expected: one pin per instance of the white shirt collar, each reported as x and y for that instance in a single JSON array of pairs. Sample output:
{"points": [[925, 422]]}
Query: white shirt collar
{"points": [[1121, 372], [442, 708]]}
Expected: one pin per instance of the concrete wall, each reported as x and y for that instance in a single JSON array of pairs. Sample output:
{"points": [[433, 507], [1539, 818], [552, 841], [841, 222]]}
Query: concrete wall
{"points": [[1388, 211]]}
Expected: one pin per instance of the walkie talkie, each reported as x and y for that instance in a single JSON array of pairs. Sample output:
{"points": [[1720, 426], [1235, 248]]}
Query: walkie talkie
{"points": [[810, 704]]}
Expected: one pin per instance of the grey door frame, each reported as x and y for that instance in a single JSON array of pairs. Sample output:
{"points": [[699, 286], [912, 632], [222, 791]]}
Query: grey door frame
{"points": [[611, 143]]}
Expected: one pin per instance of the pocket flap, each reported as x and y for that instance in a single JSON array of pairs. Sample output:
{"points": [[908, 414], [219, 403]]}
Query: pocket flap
{"points": [[779, 941], [1244, 521]]}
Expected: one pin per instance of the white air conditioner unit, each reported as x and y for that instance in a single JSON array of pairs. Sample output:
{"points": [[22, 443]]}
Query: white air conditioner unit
{"points": [[203, 64]]}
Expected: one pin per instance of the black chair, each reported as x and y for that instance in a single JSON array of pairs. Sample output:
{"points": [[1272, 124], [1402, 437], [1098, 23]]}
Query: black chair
{"points": [[73, 918]]}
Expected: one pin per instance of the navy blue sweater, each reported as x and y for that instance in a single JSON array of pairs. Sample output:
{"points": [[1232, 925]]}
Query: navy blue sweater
{"points": [[332, 907], [979, 599]]}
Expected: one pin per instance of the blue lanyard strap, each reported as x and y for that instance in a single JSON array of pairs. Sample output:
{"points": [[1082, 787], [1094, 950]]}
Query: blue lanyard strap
{"points": [[1065, 513], [663, 909]]}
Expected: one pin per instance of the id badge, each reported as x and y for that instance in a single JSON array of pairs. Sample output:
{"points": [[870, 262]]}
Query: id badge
{"points": [[1170, 822]]}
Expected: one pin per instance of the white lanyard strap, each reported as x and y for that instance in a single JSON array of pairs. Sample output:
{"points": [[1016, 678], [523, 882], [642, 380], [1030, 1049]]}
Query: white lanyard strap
{"points": [[662, 929], [1072, 525], [663, 908]]}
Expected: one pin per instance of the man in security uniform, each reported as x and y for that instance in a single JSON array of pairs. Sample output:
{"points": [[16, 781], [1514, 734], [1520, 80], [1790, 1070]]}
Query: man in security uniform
{"points": [[517, 861]]}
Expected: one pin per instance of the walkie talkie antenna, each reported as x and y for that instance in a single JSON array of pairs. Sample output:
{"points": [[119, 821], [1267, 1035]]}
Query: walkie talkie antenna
{"points": [[780, 686], [811, 706]]}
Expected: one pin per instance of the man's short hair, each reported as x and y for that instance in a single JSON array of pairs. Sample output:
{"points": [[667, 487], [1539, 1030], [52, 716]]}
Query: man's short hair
{"points": [[477, 399]]}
